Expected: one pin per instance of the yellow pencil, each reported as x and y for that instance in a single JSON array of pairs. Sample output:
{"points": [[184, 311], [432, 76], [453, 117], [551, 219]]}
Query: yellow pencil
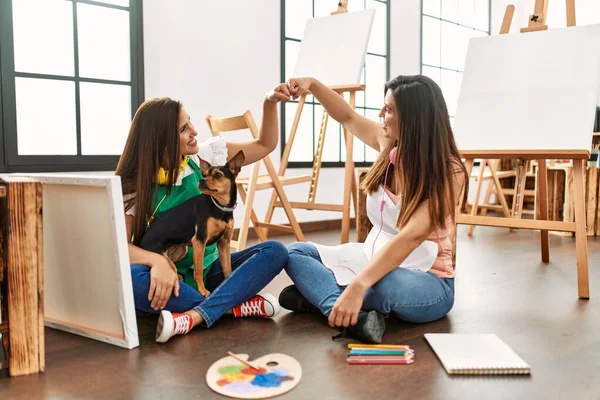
{"points": [[378, 346]]}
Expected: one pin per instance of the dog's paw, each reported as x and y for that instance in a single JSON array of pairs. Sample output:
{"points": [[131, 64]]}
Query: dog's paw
{"points": [[204, 292]]}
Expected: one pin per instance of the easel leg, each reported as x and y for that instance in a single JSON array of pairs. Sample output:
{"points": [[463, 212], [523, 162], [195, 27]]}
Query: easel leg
{"points": [[583, 285], [348, 178], [469, 167], [355, 190], [542, 195], [284, 161], [475, 205]]}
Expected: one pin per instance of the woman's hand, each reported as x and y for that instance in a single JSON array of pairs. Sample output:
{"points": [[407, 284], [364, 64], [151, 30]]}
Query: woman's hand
{"points": [[280, 93], [297, 86], [163, 282], [348, 305]]}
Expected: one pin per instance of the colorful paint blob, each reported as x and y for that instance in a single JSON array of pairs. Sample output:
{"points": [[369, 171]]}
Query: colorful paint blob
{"points": [[242, 379]]}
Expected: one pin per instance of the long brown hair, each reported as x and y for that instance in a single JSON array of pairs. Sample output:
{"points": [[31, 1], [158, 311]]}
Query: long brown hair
{"points": [[153, 142], [427, 158]]}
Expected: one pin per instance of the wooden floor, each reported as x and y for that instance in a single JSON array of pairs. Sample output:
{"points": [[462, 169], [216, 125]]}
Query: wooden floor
{"points": [[501, 287]]}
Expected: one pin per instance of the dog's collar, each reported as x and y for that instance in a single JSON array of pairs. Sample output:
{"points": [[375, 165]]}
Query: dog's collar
{"points": [[220, 207]]}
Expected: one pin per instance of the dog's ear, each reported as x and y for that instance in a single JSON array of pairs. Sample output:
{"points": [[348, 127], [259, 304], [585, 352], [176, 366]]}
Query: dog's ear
{"points": [[204, 166], [236, 163]]}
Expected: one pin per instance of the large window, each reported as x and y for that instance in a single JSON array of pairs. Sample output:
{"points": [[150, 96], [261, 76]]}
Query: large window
{"points": [[295, 13], [71, 81], [447, 27]]}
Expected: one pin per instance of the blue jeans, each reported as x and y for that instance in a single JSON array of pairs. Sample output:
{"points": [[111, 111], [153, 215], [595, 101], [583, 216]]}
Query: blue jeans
{"points": [[411, 295], [252, 269]]}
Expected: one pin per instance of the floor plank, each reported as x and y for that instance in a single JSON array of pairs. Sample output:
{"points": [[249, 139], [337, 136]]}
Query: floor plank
{"points": [[501, 287]]}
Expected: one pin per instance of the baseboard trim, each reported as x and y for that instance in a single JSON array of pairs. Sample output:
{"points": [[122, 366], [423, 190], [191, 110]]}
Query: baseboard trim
{"points": [[309, 226]]}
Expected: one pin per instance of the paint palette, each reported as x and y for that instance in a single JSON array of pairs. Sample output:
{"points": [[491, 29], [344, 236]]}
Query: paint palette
{"points": [[277, 374]]}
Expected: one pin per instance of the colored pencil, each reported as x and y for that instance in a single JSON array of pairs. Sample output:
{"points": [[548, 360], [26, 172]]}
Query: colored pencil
{"points": [[378, 346], [381, 351], [376, 362]]}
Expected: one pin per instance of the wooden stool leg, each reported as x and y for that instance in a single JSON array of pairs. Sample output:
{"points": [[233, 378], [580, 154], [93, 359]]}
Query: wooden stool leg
{"points": [[486, 200], [477, 194], [519, 196], [542, 197], [288, 210], [583, 285], [499, 191]]}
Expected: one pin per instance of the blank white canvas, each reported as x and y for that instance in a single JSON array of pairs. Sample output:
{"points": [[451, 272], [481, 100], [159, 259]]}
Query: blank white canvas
{"points": [[87, 278], [333, 48], [530, 91]]}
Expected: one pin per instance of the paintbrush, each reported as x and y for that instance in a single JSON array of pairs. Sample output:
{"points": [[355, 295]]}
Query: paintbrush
{"points": [[243, 361]]}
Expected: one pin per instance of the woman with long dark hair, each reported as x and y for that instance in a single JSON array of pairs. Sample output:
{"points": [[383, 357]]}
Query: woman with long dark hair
{"points": [[413, 188], [159, 170]]}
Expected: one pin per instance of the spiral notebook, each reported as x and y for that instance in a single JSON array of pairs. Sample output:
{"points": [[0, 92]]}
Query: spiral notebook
{"points": [[476, 354]]}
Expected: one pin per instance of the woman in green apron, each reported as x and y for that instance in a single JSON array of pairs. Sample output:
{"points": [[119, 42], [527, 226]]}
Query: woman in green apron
{"points": [[159, 170]]}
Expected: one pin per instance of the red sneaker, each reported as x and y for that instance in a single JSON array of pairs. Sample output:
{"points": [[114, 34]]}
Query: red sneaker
{"points": [[263, 305], [171, 324]]}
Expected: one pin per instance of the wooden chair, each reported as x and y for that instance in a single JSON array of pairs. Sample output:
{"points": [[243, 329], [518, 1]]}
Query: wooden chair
{"points": [[515, 194], [247, 187], [492, 176]]}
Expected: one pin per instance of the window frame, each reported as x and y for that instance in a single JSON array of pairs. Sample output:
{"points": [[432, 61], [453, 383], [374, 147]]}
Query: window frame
{"points": [[283, 132], [489, 32], [10, 160]]}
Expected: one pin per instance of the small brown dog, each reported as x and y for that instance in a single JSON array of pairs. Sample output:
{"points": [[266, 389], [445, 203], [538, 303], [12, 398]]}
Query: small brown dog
{"points": [[201, 220]]}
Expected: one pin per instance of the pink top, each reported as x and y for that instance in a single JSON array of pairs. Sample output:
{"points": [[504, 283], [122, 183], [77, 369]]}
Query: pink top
{"points": [[442, 266]]}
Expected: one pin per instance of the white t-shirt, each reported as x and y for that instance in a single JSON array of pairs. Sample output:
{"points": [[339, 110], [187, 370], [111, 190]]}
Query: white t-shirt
{"points": [[213, 150]]}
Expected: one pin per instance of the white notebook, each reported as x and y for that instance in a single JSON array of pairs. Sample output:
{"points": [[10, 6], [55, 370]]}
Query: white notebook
{"points": [[476, 354]]}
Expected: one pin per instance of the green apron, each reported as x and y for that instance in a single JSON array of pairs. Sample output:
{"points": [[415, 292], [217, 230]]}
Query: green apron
{"points": [[178, 195]]}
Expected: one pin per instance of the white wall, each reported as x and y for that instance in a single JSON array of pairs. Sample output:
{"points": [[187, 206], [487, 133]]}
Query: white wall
{"points": [[405, 37], [221, 57]]}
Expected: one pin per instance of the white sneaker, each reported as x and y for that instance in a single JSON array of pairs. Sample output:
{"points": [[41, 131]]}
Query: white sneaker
{"points": [[171, 324], [263, 305]]}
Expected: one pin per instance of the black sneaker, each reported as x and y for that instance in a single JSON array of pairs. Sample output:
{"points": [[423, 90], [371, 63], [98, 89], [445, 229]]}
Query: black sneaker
{"points": [[369, 328], [291, 299]]}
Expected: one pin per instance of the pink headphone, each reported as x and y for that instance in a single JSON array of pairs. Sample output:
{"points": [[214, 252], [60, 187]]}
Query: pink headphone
{"points": [[387, 170], [393, 155]]}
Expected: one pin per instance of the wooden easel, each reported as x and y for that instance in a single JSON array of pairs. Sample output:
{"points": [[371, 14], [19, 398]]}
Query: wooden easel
{"points": [[517, 203], [350, 186], [537, 21]]}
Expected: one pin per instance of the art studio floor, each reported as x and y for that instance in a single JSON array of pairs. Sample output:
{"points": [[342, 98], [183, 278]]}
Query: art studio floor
{"points": [[502, 288]]}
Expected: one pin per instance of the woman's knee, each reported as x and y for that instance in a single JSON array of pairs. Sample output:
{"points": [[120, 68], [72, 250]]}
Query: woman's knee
{"points": [[426, 313], [302, 249], [139, 272], [278, 250]]}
